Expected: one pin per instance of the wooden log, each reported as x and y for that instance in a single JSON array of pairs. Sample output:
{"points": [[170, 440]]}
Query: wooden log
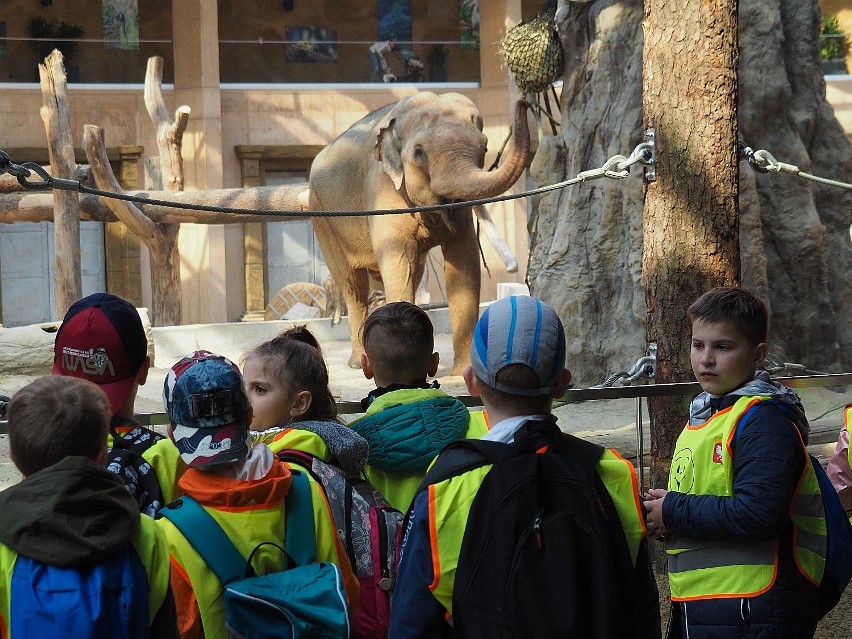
{"points": [[169, 132], [9, 183], [161, 239], [285, 199], [56, 115]]}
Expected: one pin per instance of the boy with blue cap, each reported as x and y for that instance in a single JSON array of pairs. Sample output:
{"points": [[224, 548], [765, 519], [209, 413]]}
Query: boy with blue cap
{"points": [[456, 521], [240, 484]]}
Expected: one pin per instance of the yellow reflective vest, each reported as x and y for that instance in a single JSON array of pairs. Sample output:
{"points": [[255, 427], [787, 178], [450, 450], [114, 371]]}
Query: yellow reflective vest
{"points": [[450, 502], [151, 547], [710, 569]]}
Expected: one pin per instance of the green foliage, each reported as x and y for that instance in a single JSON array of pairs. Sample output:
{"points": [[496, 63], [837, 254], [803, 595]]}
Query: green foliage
{"points": [[55, 35], [833, 43]]}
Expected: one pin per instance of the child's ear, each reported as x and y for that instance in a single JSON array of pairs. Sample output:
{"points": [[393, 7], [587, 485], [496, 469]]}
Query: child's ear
{"points": [[366, 367], [301, 403], [434, 358], [470, 381], [101, 458], [142, 373], [760, 353], [562, 382]]}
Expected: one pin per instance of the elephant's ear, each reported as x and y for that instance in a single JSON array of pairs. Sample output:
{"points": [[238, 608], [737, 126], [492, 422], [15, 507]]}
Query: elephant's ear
{"points": [[387, 151]]}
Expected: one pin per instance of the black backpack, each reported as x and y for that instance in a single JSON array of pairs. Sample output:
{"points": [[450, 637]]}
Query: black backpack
{"points": [[125, 459], [543, 553]]}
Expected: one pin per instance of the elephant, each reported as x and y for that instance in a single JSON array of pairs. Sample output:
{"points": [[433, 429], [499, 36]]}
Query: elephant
{"points": [[423, 150]]}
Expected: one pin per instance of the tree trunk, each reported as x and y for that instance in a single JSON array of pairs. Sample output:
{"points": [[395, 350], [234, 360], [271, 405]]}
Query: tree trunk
{"points": [[161, 239], [66, 218], [691, 240], [169, 133], [26, 207], [586, 244]]}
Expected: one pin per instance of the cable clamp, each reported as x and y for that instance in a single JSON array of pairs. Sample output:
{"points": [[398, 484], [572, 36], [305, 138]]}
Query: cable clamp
{"points": [[47, 180]]}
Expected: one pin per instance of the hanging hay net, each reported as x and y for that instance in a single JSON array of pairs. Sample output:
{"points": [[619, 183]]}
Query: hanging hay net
{"points": [[533, 52]]}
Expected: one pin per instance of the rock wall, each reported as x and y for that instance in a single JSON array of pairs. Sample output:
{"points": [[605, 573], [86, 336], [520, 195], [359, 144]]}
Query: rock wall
{"points": [[586, 240]]}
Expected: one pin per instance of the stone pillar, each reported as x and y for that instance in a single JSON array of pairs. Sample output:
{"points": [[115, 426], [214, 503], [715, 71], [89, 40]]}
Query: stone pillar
{"points": [[212, 276], [123, 249], [253, 239], [497, 97]]}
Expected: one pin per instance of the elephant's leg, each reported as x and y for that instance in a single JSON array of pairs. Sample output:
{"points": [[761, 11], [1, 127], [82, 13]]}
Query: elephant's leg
{"points": [[353, 283], [356, 292], [463, 277], [401, 268]]}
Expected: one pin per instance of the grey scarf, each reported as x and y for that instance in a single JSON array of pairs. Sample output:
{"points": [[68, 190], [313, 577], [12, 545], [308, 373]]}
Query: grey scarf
{"points": [[701, 409], [349, 449]]}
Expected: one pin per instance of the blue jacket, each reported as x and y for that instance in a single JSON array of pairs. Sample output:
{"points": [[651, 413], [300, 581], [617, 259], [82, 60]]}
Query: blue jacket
{"points": [[768, 461]]}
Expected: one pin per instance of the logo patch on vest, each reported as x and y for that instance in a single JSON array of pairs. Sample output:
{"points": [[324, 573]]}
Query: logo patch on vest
{"points": [[717, 451], [683, 470]]}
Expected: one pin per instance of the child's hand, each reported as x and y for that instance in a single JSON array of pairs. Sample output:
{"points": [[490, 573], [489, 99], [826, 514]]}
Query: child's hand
{"points": [[654, 517]]}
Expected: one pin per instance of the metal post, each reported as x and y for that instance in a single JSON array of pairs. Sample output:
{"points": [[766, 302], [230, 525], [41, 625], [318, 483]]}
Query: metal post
{"points": [[640, 446]]}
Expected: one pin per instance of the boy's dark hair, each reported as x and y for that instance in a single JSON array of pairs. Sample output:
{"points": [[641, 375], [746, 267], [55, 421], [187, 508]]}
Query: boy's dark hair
{"points": [[295, 356], [517, 376], [399, 340], [55, 417], [738, 305]]}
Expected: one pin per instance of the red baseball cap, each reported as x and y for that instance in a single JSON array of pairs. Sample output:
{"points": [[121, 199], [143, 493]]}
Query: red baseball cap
{"points": [[102, 340]]}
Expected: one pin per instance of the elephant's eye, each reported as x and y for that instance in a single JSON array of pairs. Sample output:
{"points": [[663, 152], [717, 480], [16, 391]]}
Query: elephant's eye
{"points": [[419, 154]]}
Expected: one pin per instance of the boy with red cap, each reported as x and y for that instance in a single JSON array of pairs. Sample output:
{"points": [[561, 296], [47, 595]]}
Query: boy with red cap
{"points": [[102, 340]]}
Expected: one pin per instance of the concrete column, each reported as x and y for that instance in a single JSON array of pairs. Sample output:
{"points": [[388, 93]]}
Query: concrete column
{"points": [[212, 275], [253, 240], [496, 101]]}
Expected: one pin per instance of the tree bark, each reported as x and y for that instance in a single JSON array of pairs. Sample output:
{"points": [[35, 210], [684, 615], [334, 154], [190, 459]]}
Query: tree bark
{"points": [[26, 207], [161, 239], [169, 132], [690, 222], [9, 183], [66, 218]]}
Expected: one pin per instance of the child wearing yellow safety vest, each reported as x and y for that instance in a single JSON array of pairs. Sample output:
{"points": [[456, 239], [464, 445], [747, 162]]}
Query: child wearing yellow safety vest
{"points": [[518, 368], [408, 420], [240, 483], [742, 518]]}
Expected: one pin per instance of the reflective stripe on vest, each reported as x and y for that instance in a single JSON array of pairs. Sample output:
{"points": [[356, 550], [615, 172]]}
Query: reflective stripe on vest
{"points": [[449, 508], [847, 418], [701, 569]]}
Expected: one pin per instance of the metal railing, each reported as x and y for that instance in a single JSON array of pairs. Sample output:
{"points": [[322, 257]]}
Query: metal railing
{"points": [[572, 396]]}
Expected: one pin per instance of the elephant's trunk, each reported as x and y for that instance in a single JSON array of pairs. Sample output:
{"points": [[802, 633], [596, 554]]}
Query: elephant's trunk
{"points": [[464, 184]]}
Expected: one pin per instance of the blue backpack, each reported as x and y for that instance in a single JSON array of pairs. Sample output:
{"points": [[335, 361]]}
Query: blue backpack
{"points": [[838, 559], [105, 599], [307, 599]]}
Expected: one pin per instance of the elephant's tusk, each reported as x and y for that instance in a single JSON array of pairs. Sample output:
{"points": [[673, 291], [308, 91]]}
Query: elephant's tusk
{"points": [[496, 239]]}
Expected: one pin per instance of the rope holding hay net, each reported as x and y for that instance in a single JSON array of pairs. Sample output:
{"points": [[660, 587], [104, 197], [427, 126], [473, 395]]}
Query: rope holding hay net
{"points": [[533, 52]]}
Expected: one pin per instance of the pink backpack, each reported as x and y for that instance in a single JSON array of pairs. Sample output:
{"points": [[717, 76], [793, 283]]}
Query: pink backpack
{"points": [[370, 529]]}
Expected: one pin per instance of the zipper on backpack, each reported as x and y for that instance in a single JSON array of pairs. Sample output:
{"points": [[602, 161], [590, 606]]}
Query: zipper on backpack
{"points": [[539, 538], [386, 582], [600, 504]]}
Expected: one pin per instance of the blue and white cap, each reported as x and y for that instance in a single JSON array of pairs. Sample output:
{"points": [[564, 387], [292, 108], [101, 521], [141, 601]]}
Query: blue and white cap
{"points": [[208, 408], [519, 330]]}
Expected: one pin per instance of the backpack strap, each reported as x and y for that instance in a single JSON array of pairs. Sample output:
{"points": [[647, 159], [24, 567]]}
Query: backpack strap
{"points": [[218, 551], [467, 454], [300, 533], [207, 537]]}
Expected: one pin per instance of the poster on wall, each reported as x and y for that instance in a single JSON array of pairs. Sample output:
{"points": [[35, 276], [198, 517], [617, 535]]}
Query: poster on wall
{"points": [[469, 24], [4, 51], [121, 24], [395, 20], [311, 44]]}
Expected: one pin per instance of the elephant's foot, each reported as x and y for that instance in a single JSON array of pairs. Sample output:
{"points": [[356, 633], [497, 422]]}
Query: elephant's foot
{"points": [[457, 369], [355, 360]]}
